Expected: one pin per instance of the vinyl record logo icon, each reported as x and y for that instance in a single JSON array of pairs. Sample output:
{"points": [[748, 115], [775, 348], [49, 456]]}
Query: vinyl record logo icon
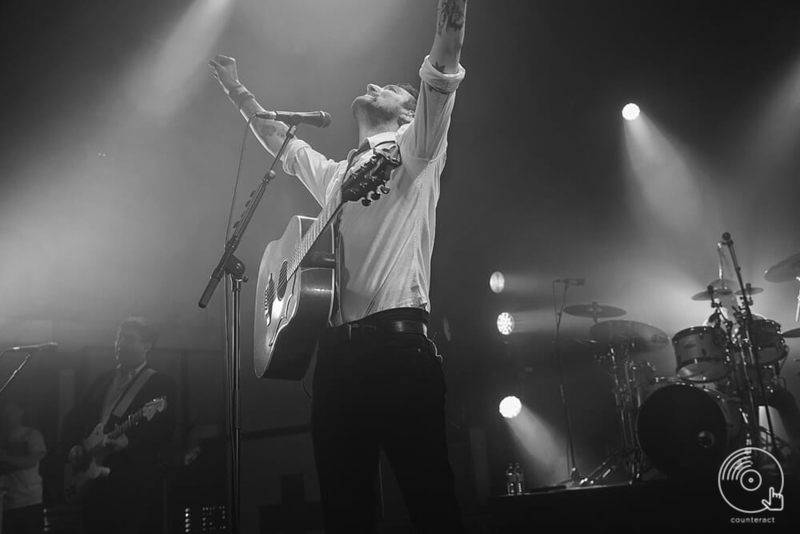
{"points": [[751, 481]]}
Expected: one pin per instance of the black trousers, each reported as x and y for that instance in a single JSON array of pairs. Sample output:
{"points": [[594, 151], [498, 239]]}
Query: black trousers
{"points": [[382, 393]]}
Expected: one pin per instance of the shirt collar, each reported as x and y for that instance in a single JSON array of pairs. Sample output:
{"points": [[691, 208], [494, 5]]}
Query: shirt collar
{"points": [[371, 142], [132, 373]]}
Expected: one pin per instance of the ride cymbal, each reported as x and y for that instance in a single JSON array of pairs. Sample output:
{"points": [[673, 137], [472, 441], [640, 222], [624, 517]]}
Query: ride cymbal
{"points": [[784, 271], [594, 310], [639, 337]]}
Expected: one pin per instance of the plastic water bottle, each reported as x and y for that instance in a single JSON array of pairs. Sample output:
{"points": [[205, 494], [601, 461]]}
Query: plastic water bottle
{"points": [[511, 480], [519, 479]]}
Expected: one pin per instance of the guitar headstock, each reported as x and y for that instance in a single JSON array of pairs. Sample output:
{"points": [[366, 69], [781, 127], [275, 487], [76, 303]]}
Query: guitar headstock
{"points": [[153, 407], [368, 181]]}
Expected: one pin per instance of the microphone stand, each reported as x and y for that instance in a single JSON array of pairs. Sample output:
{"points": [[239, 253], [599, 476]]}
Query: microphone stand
{"points": [[748, 320], [17, 370], [234, 269], [574, 474]]}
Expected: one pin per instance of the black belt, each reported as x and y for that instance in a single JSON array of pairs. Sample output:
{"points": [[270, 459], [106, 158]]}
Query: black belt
{"points": [[360, 331]]}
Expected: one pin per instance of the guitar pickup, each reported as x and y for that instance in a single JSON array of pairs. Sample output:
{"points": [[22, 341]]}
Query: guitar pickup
{"points": [[321, 260]]}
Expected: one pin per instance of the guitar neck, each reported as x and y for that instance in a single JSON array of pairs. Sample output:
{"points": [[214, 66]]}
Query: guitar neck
{"points": [[310, 237], [127, 425]]}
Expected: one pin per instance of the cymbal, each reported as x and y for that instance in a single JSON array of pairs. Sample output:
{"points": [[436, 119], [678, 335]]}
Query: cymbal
{"points": [[784, 271], [721, 287], [594, 310], [750, 291], [640, 337], [794, 332]]}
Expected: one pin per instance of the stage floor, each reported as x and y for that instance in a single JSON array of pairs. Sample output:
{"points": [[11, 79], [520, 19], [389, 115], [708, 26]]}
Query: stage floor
{"points": [[654, 506]]}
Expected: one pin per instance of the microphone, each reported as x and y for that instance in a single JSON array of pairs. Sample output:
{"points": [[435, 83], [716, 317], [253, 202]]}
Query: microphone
{"points": [[726, 238], [572, 281], [44, 347], [320, 119]]}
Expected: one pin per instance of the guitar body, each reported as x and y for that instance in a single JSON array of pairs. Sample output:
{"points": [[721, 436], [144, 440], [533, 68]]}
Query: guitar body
{"points": [[83, 469], [86, 460], [290, 312]]}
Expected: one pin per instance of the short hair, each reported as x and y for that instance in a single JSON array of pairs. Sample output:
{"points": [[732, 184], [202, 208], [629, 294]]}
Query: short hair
{"points": [[413, 91], [146, 330]]}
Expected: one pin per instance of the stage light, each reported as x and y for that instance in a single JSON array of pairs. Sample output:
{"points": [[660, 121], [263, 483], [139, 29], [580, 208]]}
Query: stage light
{"points": [[630, 111], [497, 282], [505, 323], [510, 407]]}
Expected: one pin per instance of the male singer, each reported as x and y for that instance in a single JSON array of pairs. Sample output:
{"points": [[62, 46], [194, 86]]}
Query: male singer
{"points": [[378, 383]]}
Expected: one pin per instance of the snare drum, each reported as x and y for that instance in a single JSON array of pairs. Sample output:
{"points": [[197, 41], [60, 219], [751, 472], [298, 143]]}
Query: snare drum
{"points": [[701, 354], [687, 430], [768, 341]]}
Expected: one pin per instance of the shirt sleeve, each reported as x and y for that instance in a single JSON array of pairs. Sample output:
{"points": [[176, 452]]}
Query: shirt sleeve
{"points": [[315, 171], [426, 135]]}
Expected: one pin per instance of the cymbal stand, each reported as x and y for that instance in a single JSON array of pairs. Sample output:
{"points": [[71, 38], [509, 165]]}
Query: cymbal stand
{"points": [[574, 474], [749, 349], [629, 455]]}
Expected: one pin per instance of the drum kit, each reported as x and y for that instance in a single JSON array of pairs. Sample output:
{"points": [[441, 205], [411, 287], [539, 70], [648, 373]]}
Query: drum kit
{"points": [[685, 425]]}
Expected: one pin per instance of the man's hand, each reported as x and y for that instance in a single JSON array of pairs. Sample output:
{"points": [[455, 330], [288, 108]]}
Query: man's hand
{"points": [[224, 69], [118, 444]]}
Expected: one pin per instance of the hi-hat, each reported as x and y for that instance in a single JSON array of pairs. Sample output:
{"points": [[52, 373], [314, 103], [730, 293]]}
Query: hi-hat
{"points": [[784, 271], [594, 310], [721, 287], [639, 337]]}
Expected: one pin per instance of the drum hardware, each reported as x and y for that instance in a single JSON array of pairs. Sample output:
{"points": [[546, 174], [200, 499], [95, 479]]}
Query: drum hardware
{"points": [[749, 343], [574, 473], [623, 339]]}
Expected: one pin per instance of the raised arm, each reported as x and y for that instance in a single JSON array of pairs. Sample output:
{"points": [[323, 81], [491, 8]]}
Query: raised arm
{"points": [[270, 133], [446, 51]]}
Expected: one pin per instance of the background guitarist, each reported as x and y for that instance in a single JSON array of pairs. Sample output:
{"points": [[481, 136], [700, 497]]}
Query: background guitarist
{"points": [[378, 381], [128, 500]]}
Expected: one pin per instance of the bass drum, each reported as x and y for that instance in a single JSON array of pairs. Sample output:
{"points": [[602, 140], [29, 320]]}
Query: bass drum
{"points": [[687, 431]]}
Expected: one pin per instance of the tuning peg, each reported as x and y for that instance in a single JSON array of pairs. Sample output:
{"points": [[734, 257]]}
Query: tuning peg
{"points": [[366, 202], [375, 196], [385, 190]]}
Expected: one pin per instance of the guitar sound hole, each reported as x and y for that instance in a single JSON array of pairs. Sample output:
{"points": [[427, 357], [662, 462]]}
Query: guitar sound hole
{"points": [[282, 281], [269, 298]]}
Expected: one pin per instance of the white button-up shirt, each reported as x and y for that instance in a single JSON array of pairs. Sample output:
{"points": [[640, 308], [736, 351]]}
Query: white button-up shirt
{"points": [[386, 247]]}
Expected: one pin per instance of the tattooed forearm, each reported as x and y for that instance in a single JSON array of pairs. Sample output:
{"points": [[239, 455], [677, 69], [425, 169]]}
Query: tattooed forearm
{"points": [[273, 129], [451, 16], [438, 66]]}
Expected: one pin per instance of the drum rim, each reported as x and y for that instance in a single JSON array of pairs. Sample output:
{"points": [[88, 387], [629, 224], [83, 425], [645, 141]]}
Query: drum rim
{"points": [[693, 329]]}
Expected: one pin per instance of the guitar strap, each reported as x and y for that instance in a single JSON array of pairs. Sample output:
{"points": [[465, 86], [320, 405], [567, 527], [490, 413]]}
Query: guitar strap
{"points": [[125, 400], [338, 249]]}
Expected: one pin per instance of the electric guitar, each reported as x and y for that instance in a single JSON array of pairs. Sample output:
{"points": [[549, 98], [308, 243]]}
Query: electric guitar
{"points": [[295, 290], [86, 460]]}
